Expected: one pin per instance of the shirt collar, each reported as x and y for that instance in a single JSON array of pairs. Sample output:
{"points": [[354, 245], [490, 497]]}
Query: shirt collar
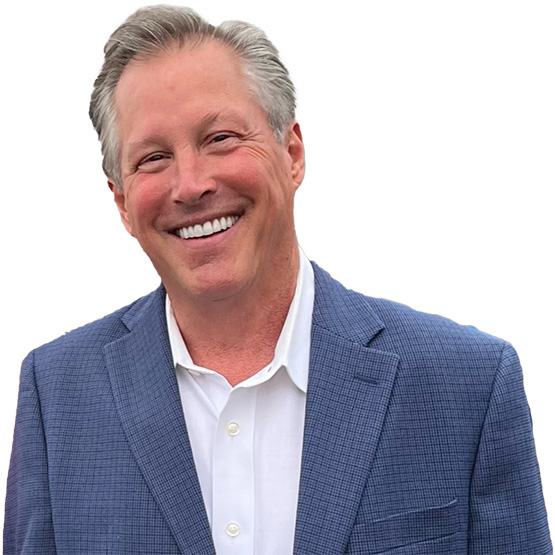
{"points": [[293, 346]]}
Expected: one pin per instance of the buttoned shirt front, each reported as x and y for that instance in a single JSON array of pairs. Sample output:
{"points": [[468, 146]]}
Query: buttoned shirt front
{"points": [[247, 439]]}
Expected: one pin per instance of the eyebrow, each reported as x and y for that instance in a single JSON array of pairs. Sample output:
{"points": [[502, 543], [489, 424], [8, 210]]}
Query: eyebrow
{"points": [[227, 115]]}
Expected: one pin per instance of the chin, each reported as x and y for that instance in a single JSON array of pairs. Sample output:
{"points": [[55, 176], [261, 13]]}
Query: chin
{"points": [[210, 284]]}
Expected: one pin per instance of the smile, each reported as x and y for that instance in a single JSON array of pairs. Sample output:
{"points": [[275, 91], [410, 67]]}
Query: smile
{"points": [[207, 228]]}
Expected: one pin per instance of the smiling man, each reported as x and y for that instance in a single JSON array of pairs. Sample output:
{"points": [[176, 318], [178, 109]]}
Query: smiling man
{"points": [[252, 405]]}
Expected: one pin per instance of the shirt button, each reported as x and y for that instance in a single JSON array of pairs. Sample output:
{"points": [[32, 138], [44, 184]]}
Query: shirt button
{"points": [[233, 428], [232, 529]]}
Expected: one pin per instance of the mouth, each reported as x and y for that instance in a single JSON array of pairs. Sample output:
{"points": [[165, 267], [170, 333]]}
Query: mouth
{"points": [[210, 227]]}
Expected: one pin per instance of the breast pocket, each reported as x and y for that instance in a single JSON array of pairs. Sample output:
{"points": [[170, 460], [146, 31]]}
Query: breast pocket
{"points": [[429, 526]]}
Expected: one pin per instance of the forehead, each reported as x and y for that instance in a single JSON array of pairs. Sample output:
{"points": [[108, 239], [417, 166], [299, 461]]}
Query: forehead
{"points": [[208, 66]]}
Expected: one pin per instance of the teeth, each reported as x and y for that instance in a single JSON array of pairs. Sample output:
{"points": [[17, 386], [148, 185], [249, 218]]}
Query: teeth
{"points": [[207, 228]]}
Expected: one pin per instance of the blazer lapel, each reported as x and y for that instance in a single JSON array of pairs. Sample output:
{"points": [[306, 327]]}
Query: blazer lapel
{"points": [[348, 392], [148, 403]]}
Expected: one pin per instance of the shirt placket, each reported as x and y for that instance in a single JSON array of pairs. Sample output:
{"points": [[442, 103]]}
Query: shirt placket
{"points": [[233, 475]]}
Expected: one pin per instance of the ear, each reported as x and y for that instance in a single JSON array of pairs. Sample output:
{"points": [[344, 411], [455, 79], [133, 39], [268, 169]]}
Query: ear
{"points": [[120, 200], [295, 148]]}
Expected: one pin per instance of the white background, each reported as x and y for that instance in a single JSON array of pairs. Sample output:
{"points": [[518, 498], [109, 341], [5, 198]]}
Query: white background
{"points": [[430, 133]]}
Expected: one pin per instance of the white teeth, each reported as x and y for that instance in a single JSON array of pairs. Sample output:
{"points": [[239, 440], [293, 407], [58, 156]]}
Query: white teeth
{"points": [[207, 228]]}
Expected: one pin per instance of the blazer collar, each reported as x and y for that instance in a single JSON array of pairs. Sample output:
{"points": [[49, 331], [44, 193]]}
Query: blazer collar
{"points": [[343, 312]]}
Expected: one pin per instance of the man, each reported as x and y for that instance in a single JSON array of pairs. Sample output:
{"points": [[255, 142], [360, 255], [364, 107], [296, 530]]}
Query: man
{"points": [[252, 404]]}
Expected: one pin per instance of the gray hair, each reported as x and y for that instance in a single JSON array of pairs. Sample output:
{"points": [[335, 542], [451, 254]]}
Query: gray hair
{"points": [[156, 29]]}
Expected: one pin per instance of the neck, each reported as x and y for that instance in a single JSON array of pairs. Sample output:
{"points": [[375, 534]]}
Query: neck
{"points": [[236, 336]]}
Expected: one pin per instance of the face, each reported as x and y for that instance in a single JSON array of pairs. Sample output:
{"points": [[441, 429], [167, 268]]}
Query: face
{"points": [[207, 190]]}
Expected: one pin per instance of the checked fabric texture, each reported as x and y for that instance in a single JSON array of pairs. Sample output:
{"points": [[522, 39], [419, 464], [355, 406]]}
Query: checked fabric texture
{"points": [[418, 440]]}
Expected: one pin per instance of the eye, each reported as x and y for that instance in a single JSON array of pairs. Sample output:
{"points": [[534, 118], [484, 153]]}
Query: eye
{"points": [[152, 158], [221, 142], [152, 161], [220, 137]]}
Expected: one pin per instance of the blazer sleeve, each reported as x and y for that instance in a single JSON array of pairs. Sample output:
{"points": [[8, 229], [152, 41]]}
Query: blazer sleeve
{"points": [[28, 528], [507, 512]]}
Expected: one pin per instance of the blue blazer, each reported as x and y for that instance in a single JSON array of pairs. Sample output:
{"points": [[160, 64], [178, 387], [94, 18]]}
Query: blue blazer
{"points": [[418, 440]]}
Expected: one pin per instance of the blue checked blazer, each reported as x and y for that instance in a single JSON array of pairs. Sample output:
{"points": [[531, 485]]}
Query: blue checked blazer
{"points": [[418, 440]]}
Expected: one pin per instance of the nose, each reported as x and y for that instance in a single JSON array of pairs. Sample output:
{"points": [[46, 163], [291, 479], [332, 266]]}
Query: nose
{"points": [[192, 183]]}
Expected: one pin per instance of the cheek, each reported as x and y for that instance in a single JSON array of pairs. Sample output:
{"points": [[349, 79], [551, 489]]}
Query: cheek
{"points": [[240, 172], [262, 179], [145, 204]]}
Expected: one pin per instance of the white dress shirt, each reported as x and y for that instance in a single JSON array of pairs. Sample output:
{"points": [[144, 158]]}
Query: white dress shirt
{"points": [[247, 440]]}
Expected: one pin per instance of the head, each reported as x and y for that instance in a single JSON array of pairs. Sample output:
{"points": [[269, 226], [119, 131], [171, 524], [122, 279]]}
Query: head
{"points": [[202, 152], [153, 30]]}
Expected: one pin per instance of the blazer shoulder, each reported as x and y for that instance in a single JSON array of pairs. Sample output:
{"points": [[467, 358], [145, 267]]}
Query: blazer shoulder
{"points": [[404, 321], [94, 336], [421, 339], [436, 351], [403, 316]]}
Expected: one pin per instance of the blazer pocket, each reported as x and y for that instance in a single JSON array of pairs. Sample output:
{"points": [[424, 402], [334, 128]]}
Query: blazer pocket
{"points": [[404, 529]]}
